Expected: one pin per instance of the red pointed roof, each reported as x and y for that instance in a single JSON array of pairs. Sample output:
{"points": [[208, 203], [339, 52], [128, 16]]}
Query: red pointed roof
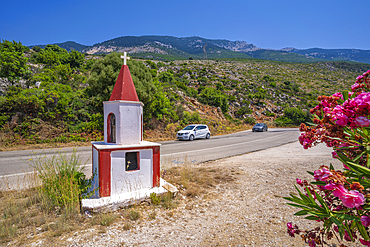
{"points": [[124, 88]]}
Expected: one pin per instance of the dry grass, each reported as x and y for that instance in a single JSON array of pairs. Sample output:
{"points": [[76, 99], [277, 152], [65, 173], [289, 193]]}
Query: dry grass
{"points": [[104, 219], [133, 214], [195, 181], [43, 146], [23, 214], [24, 218]]}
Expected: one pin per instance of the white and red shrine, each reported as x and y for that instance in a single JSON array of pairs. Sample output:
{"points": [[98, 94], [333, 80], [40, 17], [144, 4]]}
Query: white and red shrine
{"points": [[125, 167]]}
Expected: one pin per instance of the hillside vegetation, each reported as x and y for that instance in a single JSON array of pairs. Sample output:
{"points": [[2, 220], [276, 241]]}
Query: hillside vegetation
{"points": [[50, 95]]}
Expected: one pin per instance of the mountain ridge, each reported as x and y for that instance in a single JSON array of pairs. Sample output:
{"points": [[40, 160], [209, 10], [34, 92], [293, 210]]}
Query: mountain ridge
{"points": [[172, 48]]}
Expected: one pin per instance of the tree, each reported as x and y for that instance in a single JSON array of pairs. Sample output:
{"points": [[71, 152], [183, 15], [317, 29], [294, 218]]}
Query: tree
{"points": [[152, 64], [50, 102], [293, 116], [75, 59], [13, 64], [160, 106], [104, 73], [48, 57], [214, 97], [166, 77], [53, 55], [36, 48], [55, 48], [103, 77]]}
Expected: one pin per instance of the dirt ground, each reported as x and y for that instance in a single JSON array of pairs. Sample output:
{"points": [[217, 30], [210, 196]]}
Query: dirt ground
{"points": [[248, 211]]}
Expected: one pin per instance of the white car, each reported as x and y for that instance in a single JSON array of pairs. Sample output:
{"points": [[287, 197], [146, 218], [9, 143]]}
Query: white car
{"points": [[194, 131]]}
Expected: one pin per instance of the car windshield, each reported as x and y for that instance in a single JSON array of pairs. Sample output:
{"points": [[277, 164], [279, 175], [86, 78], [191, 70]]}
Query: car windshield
{"points": [[190, 127], [259, 124]]}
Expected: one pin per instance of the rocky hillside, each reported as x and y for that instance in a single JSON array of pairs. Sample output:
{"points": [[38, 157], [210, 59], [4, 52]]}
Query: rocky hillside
{"points": [[255, 90], [173, 48], [336, 54]]}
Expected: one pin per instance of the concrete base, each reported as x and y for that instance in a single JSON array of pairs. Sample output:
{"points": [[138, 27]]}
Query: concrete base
{"points": [[112, 203]]}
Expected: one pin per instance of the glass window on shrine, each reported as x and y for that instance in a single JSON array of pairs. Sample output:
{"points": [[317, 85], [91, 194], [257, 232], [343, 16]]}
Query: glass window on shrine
{"points": [[132, 161], [111, 128]]}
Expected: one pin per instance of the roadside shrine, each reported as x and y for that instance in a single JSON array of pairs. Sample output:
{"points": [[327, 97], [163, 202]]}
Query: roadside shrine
{"points": [[126, 169]]}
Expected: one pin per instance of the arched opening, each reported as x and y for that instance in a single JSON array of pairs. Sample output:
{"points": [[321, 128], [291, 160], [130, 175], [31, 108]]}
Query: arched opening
{"points": [[111, 128]]}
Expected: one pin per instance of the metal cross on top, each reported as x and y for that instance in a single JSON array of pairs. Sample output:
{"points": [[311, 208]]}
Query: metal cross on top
{"points": [[125, 58]]}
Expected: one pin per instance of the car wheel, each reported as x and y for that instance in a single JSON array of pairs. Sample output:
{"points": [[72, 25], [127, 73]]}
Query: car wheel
{"points": [[208, 135], [191, 137]]}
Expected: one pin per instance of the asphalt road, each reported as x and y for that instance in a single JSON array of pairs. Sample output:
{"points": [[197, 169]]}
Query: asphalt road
{"points": [[15, 164], [218, 147]]}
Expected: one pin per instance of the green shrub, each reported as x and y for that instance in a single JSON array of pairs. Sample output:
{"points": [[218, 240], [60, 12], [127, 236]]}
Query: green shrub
{"points": [[293, 116], [167, 201], [134, 215], [63, 182], [3, 120], [214, 97], [155, 199], [190, 118], [104, 219], [242, 111], [249, 120]]}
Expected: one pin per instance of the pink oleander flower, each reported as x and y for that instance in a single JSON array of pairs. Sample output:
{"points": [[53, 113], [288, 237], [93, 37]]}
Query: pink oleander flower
{"points": [[355, 86], [365, 220], [334, 154], [331, 186], [339, 95], [339, 189], [289, 225], [290, 229], [346, 236], [364, 242], [362, 121], [346, 167], [323, 174], [299, 181], [305, 141], [352, 199], [341, 119], [311, 243], [326, 110]]}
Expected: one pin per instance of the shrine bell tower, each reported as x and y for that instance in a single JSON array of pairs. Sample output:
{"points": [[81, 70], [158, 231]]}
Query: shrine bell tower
{"points": [[123, 113]]}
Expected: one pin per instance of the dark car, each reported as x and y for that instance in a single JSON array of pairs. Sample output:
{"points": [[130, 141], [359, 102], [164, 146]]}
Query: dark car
{"points": [[260, 127]]}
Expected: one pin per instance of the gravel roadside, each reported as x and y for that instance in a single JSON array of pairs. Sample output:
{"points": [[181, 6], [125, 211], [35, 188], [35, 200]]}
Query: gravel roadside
{"points": [[249, 211]]}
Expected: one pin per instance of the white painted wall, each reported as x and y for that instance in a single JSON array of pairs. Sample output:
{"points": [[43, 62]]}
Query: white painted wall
{"points": [[109, 108], [122, 181], [128, 121]]}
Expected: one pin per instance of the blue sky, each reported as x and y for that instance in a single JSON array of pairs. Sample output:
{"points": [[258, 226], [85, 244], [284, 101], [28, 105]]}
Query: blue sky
{"points": [[265, 23]]}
